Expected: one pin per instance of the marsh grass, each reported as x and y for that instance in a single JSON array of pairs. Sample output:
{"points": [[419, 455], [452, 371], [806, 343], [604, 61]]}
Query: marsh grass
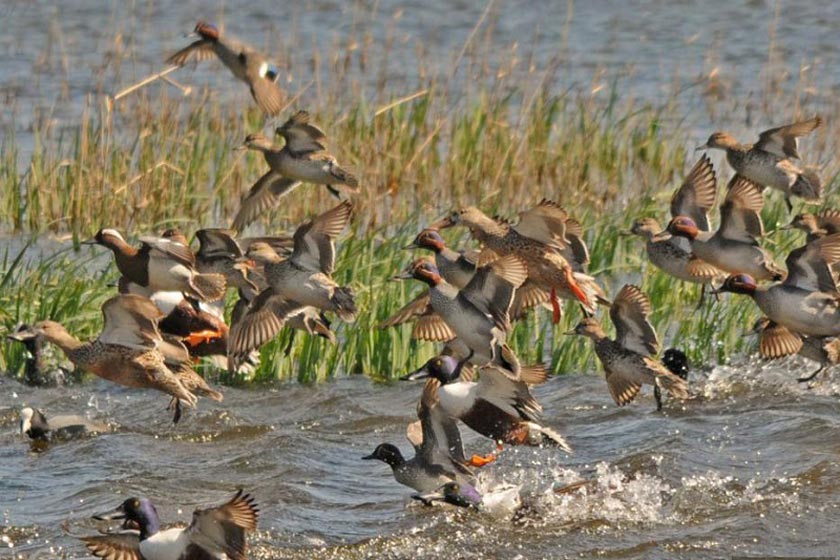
{"points": [[500, 134]]}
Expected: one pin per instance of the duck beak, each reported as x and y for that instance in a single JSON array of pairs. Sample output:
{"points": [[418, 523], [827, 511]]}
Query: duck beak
{"points": [[404, 275], [240, 148], [443, 223], [421, 373], [91, 241], [411, 247], [22, 336], [570, 333], [703, 147], [117, 513], [368, 457]]}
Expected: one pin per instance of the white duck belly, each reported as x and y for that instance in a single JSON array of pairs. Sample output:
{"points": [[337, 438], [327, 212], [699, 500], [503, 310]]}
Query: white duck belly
{"points": [[165, 545]]}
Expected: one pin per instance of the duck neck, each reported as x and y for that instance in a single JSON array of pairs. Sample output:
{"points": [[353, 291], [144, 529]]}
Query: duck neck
{"points": [[149, 525], [66, 341], [487, 229]]}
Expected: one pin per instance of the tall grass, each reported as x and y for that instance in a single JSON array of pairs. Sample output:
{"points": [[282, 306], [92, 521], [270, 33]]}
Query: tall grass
{"points": [[501, 140]]}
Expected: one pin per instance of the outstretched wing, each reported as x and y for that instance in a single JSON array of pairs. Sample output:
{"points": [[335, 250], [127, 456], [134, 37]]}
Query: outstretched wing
{"points": [[696, 196], [782, 141], [301, 136], [629, 313], [315, 240], [114, 546], [131, 321], [224, 529]]}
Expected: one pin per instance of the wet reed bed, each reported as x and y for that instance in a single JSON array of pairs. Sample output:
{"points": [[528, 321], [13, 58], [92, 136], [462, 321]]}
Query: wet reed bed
{"points": [[491, 130]]}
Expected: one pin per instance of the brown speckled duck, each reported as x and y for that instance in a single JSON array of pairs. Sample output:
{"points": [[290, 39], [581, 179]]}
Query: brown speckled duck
{"points": [[131, 352], [629, 360], [769, 162]]}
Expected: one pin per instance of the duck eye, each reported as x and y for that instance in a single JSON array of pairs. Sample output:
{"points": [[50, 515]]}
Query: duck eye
{"points": [[135, 504]]}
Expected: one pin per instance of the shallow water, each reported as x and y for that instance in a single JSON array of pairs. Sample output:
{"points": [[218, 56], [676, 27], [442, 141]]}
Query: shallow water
{"points": [[748, 467]]}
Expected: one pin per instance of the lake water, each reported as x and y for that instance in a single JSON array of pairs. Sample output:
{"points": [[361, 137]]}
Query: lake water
{"points": [[748, 468]]}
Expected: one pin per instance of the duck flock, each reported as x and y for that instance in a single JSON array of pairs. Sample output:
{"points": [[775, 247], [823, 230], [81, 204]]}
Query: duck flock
{"points": [[168, 309]]}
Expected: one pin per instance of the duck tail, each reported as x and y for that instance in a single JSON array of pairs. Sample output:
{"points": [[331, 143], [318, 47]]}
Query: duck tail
{"points": [[344, 304], [209, 287], [808, 185], [346, 176], [548, 436], [673, 384]]}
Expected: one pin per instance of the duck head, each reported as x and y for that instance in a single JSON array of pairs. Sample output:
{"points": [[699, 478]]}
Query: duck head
{"points": [[107, 237], [646, 227], [738, 284], [423, 270], [176, 235], [720, 141], [261, 252], [256, 141], [33, 423], [137, 510], [683, 226], [386, 453], [806, 222], [430, 239], [461, 495], [677, 362], [445, 369], [589, 327], [206, 31]]}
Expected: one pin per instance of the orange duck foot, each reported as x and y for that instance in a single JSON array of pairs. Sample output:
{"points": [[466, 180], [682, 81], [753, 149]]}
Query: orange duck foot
{"points": [[556, 312], [482, 460], [202, 337]]}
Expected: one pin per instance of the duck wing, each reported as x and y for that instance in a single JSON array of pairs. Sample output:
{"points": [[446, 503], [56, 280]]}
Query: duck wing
{"points": [[262, 197], [507, 392], [161, 248], [579, 250], [414, 309], [218, 242], [696, 196], [492, 288], [809, 267], [114, 546], [777, 341], [301, 136], [262, 77], [223, 529], [629, 313], [315, 240], [782, 141], [622, 390], [131, 321], [198, 51], [266, 315], [829, 220], [439, 439], [545, 222], [740, 215]]}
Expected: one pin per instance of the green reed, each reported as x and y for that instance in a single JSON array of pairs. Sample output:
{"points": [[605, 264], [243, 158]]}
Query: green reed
{"points": [[155, 159]]}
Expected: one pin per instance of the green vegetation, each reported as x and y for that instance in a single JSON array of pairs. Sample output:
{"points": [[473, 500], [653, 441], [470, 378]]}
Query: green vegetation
{"points": [[154, 160]]}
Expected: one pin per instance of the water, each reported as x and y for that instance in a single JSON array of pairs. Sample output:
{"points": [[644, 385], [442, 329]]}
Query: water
{"points": [[748, 468]]}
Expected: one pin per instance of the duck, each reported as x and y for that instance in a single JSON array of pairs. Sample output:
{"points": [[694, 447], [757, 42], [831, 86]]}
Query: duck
{"points": [[37, 372], [694, 198], [546, 266], [160, 265], [477, 314], [37, 426], [777, 341], [734, 247], [221, 253], [499, 406], [770, 161], [131, 352], [304, 279], [825, 222], [217, 532], [677, 363], [629, 361], [438, 451], [807, 301], [246, 64]]}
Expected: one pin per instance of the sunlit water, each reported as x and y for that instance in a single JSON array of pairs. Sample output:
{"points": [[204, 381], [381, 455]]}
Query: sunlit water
{"points": [[749, 467]]}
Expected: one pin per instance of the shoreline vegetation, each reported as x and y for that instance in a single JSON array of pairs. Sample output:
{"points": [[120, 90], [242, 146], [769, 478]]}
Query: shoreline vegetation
{"points": [[491, 130]]}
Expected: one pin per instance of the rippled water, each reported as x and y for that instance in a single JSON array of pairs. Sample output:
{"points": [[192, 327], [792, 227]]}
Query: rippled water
{"points": [[748, 467]]}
